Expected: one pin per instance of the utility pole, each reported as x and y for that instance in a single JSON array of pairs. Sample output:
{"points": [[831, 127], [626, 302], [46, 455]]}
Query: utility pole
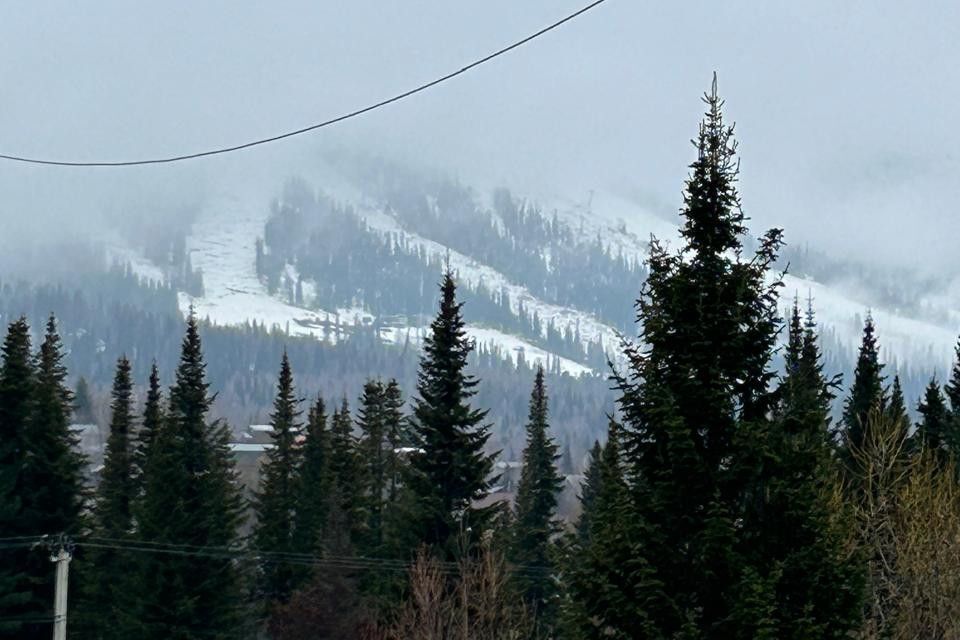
{"points": [[61, 554]]}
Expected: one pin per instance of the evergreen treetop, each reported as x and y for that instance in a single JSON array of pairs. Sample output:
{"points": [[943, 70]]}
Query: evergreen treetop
{"points": [[540, 483], [867, 390], [451, 470], [276, 500]]}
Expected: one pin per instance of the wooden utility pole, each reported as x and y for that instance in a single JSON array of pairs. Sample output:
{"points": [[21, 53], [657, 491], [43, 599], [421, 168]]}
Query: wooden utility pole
{"points": [[61, 556]]}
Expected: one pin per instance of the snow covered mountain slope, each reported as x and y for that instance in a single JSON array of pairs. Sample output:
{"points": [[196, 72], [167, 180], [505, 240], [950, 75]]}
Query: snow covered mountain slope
{"points": [[222, 246]]}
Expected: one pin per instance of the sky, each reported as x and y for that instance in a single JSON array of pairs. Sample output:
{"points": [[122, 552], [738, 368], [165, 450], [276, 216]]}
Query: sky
{"points": [[844, 110]]}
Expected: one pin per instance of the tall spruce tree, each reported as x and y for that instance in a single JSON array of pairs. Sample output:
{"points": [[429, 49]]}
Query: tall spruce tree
{"points": [[396, 434], [934, 426], [345, 514], [52, 491], [697, 402], [105, 600], [153, 417], [374, 458], [952, 391], [535, 519], [315, 482], [450, 471], [801, 574], [866, 392], [610, 590], [589, 489], [191, 498], [17, 380], [56, 470], [276, 501]]}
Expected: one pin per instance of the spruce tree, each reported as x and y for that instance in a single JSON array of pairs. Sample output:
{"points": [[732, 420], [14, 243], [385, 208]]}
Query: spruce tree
{"points": [[395, 424], [315, 482], [866, 392], [191, 499], [345, 514], [610, 588], [536, 505], [589, 489], [952, 390], [276, 501], [17, 379], [105, 601], [56, 469], [374, 458], [700, 447], [52, 490], [699, 380], [934, 425], [450, 470], [83, 404], [153, 417], [802, 582]]}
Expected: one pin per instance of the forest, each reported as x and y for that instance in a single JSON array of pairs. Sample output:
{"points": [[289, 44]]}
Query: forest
{"points": [[732, 487]]}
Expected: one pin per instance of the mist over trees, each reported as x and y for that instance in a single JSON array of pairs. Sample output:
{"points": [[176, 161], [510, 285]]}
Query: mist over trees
{"points": [[732, 489]]}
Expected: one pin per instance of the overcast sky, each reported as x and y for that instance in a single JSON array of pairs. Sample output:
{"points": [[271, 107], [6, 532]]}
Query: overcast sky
{"points": [[844, 110]]}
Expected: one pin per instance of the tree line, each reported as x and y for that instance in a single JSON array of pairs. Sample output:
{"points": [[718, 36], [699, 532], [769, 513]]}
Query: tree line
{"points": [[723, 503]]}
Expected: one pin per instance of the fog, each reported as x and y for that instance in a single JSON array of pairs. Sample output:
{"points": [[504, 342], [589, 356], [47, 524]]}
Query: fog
{"points": [[844, 111]]}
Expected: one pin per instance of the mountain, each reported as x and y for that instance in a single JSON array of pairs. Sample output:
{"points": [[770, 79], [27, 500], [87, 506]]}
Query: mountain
{"points": [[552, 278]]}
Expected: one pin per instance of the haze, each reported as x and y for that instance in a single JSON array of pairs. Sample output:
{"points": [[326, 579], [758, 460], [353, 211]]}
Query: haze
{"points": [[844, 110]]}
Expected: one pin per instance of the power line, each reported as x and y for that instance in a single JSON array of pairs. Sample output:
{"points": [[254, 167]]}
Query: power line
{"points": [[312, 127], [274, 557]]}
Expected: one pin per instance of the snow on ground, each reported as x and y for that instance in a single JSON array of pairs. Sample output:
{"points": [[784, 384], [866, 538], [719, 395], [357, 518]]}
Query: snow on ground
{"points": [[223, 246], [473, 273], [509, 346], [906, 340], [142, 267], [223, 239], [627, 226]]}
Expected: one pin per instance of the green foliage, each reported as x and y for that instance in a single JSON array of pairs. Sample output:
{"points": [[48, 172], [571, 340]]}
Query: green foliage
{"points": [[536, 504], [276, 501], [106, 572], [933, 429], [190, 498], [315, 481], [866, 392], [450, 471], [17, 379]]}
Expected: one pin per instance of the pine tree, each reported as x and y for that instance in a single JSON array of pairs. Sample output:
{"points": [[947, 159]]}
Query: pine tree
{"points": [[867, 389], [83, 405], [315, 482], [153, 418], [345, 513], [190, 498], [450, 470], [700, 447], [105, 600], [701, 379], [374, 456], [897, 407], [535, 520], [801, 582], [17, 379], [276, 501], [934, 427], [589, 489], [610, 587], [52, 491], [57, 472], [398, 436], [952, 390]]}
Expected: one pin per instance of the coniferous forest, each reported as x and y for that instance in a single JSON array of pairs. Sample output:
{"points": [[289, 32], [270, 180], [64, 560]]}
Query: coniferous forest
{"points": [[736, 487]]}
